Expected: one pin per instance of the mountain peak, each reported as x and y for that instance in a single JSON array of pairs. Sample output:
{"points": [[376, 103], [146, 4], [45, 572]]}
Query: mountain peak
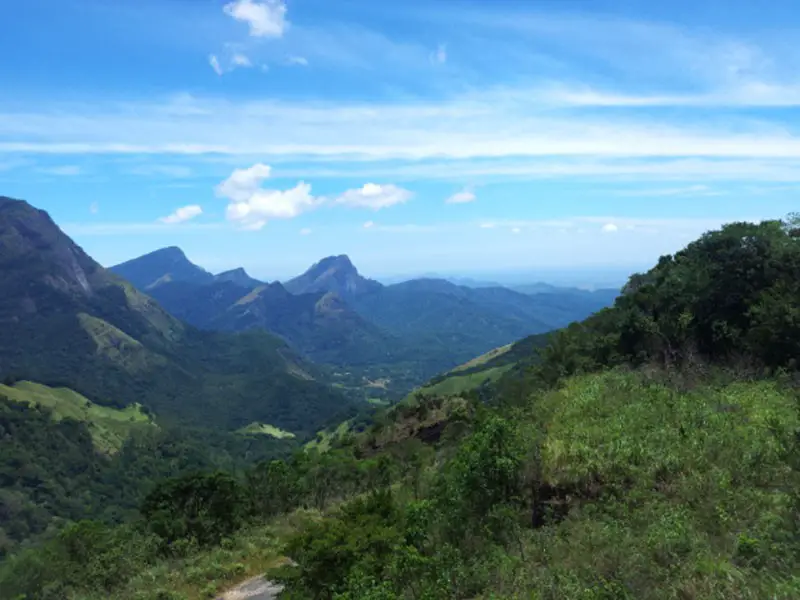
{"points": [[162, 266], [29, 239], [238, 277], [341, 262], [333, 274]]}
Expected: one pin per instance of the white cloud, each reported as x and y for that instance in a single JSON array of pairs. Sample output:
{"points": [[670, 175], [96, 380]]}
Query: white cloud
{"points": [[691, 190], [94, 208], [265, 19], [440, 56], [610, 228], [369, 225], [488, 225], [214, 62], [65, 170], [250, 206], [183, 214], [305, 231], [374, 196], [176, 171], [516, 230], [300, 61], [241, 60], [462, 197]]}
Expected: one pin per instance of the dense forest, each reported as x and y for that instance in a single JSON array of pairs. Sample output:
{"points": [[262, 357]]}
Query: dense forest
{"points": [[650, 451]]}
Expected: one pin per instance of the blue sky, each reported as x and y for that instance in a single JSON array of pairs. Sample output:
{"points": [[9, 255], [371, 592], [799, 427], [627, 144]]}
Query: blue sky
{"points": [[416, 136]]}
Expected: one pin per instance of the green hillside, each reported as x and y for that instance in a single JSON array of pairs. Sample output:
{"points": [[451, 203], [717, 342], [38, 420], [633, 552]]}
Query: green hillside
{"points": [[109, 427]]}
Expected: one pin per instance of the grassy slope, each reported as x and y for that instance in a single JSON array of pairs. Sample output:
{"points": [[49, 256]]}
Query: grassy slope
{"points": [[458, 384], [266, 429], [109, 426], [671, 495]]}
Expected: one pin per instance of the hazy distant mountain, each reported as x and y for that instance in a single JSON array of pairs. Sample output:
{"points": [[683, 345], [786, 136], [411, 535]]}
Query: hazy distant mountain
{"points": [[239, 277], [162, 266], [332, 314], [67, 321], [333, 274], [320, 325]]}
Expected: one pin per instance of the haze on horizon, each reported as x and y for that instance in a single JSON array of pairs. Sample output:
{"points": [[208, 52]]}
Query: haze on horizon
{"points": [[468, 138]]}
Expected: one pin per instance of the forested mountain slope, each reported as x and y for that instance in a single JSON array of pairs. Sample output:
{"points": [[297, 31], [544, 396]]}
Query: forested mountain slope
{"points": [[69, 322]]}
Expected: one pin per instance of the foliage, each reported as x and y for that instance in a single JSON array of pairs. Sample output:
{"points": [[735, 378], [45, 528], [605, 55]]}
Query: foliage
{"points": [[199, 508]]}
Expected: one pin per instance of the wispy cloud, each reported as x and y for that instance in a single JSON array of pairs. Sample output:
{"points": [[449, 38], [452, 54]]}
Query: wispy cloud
{"points": [[241, 60], [488, 125], [183, 214], [129, 228], [464, 196], [300, 61], [214, 62], [439, 57], [691, 190], [173, 171], [64, 170]]}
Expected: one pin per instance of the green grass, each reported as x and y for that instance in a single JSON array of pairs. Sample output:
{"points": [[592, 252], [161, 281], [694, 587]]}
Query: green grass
{"points": [[483, 358], [671, 494], [458, 384], [117, 346], [324, 438], [266, 429], [109, 427]]}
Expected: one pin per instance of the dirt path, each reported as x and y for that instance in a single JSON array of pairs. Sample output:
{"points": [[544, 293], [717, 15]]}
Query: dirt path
{"points": [[256, 588]]}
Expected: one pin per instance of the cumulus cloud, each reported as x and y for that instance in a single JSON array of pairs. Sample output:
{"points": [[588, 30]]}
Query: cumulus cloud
{"points": [[462, 197], [185, 213], [300, 61], [369, 224], [250, 206], [610, 228], [374, 196], [516, 230], [305, 231], [265, 19], [214, 62]]}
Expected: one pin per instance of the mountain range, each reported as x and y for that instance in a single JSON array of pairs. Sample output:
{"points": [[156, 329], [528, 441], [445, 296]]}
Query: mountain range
{"points": [[69, 322], [400, 334]]}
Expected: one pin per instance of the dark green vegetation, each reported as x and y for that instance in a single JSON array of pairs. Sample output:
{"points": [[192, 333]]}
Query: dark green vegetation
{"points": [[381, 340], [651, 451], [51, 471], [67, 322]]}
